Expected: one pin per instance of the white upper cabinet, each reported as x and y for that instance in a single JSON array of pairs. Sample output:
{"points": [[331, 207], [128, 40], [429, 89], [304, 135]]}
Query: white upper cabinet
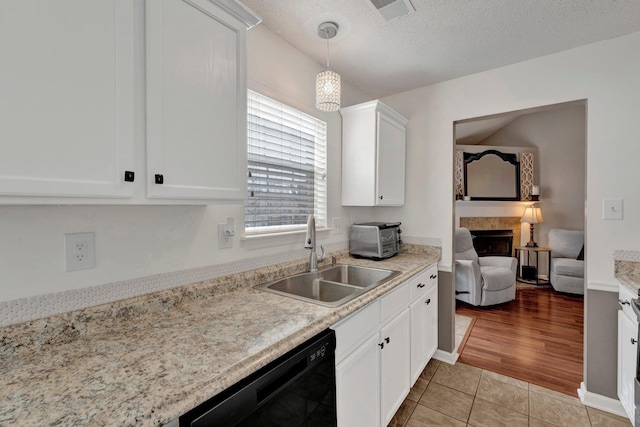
{"points": [[373, 155], [196, 101], [73, 101], [67, 99]]}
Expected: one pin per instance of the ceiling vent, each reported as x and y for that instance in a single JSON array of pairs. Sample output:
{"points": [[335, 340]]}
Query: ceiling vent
{"points": [[393, 9]]}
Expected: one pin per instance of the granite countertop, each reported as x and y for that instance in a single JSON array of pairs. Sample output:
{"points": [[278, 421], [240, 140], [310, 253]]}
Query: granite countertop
{"points": [[147, 360], [628, 273]]}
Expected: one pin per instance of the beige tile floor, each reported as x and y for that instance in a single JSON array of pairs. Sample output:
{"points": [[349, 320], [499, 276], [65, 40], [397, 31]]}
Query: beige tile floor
{"points": [[463, 395]]}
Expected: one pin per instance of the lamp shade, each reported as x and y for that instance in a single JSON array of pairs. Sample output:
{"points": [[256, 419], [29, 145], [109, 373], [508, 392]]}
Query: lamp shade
{"points": [[532, 215], [328, 91]]}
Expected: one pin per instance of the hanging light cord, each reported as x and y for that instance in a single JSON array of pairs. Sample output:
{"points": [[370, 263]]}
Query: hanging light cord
{"points": [[326, 33]]}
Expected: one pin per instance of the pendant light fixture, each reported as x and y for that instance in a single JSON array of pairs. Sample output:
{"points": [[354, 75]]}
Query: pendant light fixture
{"points": [[328, 82]]}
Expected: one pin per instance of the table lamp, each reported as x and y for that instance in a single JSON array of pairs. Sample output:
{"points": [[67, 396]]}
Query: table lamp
{"points": [[532, 215]]}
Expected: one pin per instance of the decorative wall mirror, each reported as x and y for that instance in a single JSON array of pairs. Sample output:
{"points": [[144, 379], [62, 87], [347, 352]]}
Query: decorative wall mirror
{"points": [[491, 175]]}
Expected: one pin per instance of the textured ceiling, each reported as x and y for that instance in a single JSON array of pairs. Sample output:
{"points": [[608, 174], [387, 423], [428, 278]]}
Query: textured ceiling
{"points": [[443, 39]]}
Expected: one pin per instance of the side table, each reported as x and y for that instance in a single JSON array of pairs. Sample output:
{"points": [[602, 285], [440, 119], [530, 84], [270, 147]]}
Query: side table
{"points": [[534, 275]]}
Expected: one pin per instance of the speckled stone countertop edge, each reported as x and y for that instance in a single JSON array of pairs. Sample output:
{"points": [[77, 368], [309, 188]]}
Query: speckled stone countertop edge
{"points": [[83, 324], [628, 273], [251, 364], [65, 327]]}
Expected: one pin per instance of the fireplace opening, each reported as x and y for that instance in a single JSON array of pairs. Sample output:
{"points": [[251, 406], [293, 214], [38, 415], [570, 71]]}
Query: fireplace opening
{"points": [[493, 242]]}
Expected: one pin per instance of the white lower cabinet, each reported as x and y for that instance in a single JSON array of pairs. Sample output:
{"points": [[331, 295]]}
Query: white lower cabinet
{"points": [[378, 348], [627, 351], [424, 331], [424, 320], [358, 386], [430, 324], [394, 364]]}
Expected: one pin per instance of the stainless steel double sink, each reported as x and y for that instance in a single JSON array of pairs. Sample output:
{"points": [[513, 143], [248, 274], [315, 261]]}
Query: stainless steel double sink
{"points": [[332, 286]]}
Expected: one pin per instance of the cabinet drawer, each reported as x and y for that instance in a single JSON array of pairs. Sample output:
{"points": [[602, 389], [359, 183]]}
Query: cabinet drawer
{"points": [[419, 284], [625, 296], [423, 281], [395, 301], [351, 331]]}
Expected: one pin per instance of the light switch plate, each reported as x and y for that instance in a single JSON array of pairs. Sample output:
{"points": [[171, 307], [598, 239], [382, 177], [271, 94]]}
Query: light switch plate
{"points": [[612, 209]]}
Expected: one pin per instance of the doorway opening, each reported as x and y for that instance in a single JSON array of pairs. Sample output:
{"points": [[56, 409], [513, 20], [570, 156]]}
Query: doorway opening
{"points": [[550, 145]]}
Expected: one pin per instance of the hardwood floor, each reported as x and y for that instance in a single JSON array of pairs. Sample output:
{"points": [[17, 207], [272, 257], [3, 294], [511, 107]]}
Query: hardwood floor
{"points": [[537, 338]]}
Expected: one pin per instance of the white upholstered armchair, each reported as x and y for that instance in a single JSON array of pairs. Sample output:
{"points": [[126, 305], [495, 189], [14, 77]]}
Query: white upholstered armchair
{"points": [[566, 271], [482, 280]]}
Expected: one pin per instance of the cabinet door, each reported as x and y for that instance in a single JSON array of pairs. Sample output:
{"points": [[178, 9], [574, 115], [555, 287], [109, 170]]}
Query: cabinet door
{"points": [[67, 98], [627, 348], [424, 331], [418, 335], [358, 386], [430, 305], [394, 365], [390, 162], [196, 101]]}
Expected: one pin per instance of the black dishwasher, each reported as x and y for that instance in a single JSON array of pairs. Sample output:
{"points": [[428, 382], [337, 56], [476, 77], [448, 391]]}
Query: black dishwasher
{"points": [[296, 390]]}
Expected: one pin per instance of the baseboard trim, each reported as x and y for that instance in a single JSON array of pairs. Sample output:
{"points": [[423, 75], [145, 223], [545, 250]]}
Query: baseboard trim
{"points": [[446, 357], [601, 402]]}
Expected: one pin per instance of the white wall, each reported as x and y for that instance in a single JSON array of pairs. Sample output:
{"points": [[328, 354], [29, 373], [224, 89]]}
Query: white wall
{"points": [[137, 241], [605, 74], [559, 136]]}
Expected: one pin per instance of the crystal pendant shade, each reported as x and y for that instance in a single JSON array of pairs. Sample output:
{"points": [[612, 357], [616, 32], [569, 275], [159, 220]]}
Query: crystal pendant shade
{"points": [[328, 91]]}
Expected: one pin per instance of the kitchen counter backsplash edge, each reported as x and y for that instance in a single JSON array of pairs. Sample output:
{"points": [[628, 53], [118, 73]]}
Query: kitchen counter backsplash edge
{"points": [[628, 273], [626, 268], [66, 327]]}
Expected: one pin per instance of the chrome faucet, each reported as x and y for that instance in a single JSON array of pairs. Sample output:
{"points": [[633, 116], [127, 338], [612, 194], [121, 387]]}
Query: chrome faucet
{"points": [[310, 243]]}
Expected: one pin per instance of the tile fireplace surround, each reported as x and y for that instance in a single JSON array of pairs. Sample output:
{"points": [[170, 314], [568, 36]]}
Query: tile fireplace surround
{"points": [[494, 223]]}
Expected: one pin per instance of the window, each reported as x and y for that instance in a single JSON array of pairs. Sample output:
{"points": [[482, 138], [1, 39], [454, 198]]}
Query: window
{"points": [[286, 153]]}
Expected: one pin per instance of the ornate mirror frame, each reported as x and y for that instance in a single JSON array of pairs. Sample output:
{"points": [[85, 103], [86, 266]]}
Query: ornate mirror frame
{"points": [[506, 157]]}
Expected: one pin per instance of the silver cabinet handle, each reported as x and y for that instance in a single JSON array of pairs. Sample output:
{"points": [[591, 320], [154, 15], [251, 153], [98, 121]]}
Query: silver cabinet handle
{"points": [[621, 302]]}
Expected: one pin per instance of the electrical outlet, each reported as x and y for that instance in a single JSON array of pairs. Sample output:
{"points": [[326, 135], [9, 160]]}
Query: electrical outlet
{"points": [[79, 251]]}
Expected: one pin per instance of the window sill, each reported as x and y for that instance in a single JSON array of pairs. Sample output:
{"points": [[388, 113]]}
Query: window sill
{"points": [[258, 241]]}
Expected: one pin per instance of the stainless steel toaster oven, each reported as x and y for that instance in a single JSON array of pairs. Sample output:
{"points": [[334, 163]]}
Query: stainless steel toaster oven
{"points": [[375, 240]]}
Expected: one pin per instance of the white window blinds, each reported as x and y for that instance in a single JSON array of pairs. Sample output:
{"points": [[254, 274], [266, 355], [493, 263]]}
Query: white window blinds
{"points": [[286, 154]]}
